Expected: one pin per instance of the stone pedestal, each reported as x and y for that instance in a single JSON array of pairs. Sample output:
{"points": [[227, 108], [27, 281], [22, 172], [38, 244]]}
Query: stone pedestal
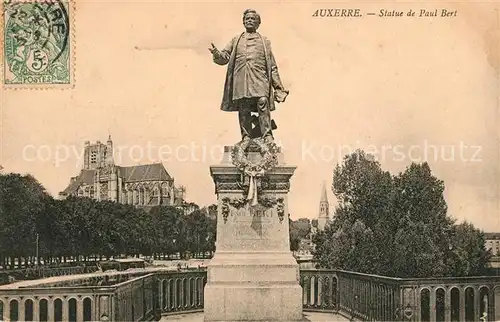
{"points": [[253, 275]]}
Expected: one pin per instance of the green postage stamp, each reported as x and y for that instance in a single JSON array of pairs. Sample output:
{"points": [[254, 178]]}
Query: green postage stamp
{"points": [[37, 43]]}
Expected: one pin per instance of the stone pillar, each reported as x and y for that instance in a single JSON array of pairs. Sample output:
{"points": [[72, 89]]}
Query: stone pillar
{"points": [[120, 189], [50, 309], [447, 305], [36, 309], [20, 309], [65, 307], [113, 187], [253, 275], [79, 310], [97, 191], [433, 303], [477, 300], [103, 312], [462, 303]]}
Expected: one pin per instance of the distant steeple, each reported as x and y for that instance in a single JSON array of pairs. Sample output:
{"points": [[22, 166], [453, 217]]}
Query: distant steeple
{"points": [[324, 197], [324, 206]]}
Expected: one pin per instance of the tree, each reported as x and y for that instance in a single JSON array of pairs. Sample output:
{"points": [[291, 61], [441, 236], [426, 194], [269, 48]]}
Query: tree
{"points": [[197, 232], [212, 233], [167, 227], [346, 247], [294, 236], [467, 254], [303, 226], [396, 225], [420, 206], [364, 192], [299, 229], [22, 200]]}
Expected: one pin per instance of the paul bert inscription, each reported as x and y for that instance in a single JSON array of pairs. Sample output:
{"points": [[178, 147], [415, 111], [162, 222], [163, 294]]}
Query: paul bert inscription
{"points": [[384, 13], [260, 212], [418, 13]]}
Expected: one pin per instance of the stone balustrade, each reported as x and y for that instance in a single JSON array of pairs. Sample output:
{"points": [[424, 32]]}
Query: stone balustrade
{"points": [[181, 291], [54, 304], [378, 298], [363, 296], [110, 297], [451, 299], [146, 295]]}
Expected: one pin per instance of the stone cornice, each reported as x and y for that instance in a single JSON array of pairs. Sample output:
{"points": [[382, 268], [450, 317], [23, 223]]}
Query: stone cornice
{"points": [[232, 170], [228, 178]]}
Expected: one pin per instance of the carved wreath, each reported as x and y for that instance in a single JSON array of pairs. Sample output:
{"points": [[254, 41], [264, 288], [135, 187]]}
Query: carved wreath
{"points": [[226, 202], [268, 151]]}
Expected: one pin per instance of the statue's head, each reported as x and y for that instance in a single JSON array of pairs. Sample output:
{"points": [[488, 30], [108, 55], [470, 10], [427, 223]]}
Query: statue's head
{"points": [[251, 20]]}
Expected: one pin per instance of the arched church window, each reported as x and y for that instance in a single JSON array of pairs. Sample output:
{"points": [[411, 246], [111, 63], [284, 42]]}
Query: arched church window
{"points": [[146, 195], [141, 196], [130, 197]]}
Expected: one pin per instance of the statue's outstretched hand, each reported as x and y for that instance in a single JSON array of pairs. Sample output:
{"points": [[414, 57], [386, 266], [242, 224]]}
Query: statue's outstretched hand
{"points": [[215, 52]]}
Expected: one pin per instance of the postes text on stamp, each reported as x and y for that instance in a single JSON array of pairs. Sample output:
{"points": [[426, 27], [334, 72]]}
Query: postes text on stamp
{"points": [[37, 43]]}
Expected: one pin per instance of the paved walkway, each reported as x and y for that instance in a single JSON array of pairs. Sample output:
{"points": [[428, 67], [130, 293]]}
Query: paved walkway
{"points": [[308, 316]]}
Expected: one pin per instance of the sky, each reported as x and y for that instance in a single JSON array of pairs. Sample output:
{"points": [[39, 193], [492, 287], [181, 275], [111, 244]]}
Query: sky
{"points": [[403, 88]]}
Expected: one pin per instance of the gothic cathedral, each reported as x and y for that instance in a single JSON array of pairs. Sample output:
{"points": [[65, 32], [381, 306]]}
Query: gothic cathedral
{"points": [[142, 186]]}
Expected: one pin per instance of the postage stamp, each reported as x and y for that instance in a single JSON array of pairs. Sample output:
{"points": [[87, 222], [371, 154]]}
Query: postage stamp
{"points": [[37, 43]]}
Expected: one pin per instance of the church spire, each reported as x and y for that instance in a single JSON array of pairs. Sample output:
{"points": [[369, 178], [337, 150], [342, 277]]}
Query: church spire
{"points": [[324, 211], [324, 197]]}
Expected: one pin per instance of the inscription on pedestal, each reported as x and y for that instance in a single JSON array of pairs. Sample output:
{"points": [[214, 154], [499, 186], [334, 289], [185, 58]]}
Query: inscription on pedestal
{"points": [[260, 212], [252, 222], [244, 214]]}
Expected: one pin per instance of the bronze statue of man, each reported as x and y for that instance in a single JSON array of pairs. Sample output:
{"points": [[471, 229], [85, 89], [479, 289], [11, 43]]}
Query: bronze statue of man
{"points": [[252, 80]]}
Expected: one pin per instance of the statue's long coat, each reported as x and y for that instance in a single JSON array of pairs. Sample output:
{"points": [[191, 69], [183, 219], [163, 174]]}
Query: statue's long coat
{"points": [[228, 56]]}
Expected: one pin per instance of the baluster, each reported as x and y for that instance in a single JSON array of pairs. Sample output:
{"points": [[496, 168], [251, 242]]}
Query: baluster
{"points": [[170, 297], [199, 287], [175, 294], [319, 284], [304, 292], [325, 302], [312, 281]]}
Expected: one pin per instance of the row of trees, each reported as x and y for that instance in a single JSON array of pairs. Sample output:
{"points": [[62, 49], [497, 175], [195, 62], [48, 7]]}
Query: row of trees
{"points": [[83, 227], [396, 225]]}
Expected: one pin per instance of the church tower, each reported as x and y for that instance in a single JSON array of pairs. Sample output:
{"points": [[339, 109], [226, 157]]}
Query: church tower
{"points": [[94, 155], [324, 210]]}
